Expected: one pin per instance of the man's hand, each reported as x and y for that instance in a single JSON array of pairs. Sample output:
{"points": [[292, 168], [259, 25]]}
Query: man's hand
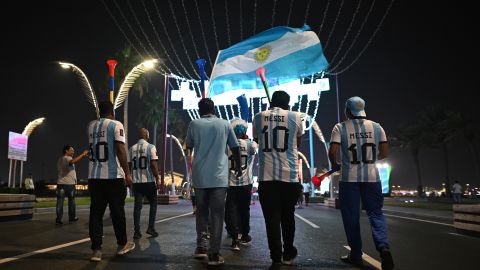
{"points": [[336, 166], [128, 180], [85, 153]]}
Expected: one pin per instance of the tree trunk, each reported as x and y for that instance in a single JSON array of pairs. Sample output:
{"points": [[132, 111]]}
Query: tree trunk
{"points": [[419, 175], [447, 170]]}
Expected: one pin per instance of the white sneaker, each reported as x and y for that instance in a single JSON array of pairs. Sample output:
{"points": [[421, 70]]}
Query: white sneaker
{"points": [[96, 256], [125, 249]]}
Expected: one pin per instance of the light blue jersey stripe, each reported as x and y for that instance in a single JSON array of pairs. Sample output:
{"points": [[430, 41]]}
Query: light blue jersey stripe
{"points": [[292, 131], [99, 166], [112, 160], [270, 141], [364, 141], [376, 133], [359, 151], [137, 163]]}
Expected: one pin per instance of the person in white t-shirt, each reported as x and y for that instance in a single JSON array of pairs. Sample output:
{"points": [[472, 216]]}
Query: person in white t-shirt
{"points": [[457, 192]]}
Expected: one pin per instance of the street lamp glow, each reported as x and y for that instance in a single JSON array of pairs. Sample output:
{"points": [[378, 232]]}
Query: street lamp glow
{"points": [[149, 64], [32, 125], [65, 65]]}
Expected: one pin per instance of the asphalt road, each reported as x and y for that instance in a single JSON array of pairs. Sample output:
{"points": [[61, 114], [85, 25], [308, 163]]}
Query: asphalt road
{"points": [[320, 239]]}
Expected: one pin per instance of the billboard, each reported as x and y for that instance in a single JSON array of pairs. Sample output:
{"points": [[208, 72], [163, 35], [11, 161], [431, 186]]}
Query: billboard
{"points": [[17, 146]]}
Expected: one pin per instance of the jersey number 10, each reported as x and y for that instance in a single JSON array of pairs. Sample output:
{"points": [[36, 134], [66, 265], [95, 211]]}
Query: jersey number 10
{"points": [[275, 131], [353, 149]]}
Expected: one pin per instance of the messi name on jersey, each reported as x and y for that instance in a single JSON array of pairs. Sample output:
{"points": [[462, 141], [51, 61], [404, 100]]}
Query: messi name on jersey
{"points": [[274, 118], [360, 135]]}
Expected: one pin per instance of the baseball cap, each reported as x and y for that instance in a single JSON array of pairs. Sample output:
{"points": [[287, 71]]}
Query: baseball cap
{"points": [[356, 105]]}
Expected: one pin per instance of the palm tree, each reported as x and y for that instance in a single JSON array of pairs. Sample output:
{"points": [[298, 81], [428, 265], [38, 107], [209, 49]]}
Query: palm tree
{"points": [[410, 136]]}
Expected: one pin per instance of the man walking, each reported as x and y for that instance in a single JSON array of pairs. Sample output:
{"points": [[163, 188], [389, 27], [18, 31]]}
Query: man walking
{"points": [[362, 143], [107, 179], [143, 164], [67, 179], [209, 136], [239, 194], [278, 132]]}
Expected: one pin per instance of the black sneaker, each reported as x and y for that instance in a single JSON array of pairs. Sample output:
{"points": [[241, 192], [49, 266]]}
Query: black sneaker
{"points": [[137, 235], [58, 222], [350, 260], [215, 259], [387, 260], [275, 266], [152, 232], [289, 257], [200, 253], [75, 219], [235, 246], [246, 240]]}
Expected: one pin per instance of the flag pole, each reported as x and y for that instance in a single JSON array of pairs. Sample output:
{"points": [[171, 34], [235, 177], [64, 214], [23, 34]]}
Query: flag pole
{"points": [[261, 73]]}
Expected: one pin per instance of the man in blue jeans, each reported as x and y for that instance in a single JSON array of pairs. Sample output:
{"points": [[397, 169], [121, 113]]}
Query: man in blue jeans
{"points": [[67, 178], [209, 136], [362, 142]]}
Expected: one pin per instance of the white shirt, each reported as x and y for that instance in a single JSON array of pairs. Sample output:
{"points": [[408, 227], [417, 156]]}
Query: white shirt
{"points": [[248, 149], [277, 131], [457, 188], [359, 140], [140, 155], [102, 135]]}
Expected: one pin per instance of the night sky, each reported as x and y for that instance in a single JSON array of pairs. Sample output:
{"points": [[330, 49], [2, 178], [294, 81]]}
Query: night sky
{"points": [[422, 55]]}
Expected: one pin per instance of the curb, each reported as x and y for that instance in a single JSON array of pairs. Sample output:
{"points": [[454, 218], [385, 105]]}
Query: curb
{"points": [[417, 215]]}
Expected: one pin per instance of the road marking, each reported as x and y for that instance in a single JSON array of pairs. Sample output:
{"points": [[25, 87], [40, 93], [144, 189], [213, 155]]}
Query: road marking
{"points": [[307, 221], [369, 259], [14, 258], [21, 256], [170, 218], [421, 220]]}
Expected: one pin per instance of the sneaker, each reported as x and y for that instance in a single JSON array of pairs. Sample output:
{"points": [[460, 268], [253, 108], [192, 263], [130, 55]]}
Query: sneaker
{"points": [[275, 266], [58, 222], [96, 256], [125, 249], [348, 259], [200, 253], [387, 260], [235, 246], [137, 235], [215, 259], [152, 232], [246, 240], [288, 258], [75, 219]]}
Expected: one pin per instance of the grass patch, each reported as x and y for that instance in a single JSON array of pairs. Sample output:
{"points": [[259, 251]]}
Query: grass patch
{"points": [[424, 205], [78, 201]]}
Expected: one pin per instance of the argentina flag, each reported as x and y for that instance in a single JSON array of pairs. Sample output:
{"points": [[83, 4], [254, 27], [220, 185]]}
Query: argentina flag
{"points": [[286, 53]]}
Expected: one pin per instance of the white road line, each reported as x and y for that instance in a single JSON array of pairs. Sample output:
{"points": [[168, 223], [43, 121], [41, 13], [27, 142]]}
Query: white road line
{"points": [[369, 260], [170, 218], [14, 258], [421, 220], [21, 256], [307, 221]]}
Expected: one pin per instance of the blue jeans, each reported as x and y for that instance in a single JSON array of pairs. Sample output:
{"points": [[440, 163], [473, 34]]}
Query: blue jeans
{"points": [[457, 197], [148, 190], [209, 217], [69, 192], [372, 200]]}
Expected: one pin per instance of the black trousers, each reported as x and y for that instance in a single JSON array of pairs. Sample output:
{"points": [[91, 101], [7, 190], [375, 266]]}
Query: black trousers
{"points": [[103, 192], [237, 210], [278, 201], [148, 190]]}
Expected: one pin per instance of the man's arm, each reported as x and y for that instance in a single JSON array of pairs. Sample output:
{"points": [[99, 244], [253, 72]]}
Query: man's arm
{"points": [[154, 164], [237, 160], [122, 158], [78, 158], [383, 148], [332, 155]]}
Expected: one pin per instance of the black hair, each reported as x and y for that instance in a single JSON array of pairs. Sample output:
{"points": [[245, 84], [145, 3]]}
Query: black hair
{"points": [[65, 148], [280, 99], [105, 108], [206, 106]]}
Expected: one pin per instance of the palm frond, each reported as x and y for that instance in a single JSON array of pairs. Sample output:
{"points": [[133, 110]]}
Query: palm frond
{"points": [[130, 79], [32, 125], [87, 87]]}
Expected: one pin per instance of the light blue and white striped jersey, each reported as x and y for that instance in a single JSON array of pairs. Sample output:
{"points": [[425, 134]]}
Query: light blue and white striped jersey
{"points": [[248, 149], [208, 136], [277, 131], [359, 140], [102, 135], [140, 156]]}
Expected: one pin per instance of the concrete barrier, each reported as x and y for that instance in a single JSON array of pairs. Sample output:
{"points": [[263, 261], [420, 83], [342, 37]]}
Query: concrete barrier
{"points": [[333, 203], [467, 218], [167, 199], [16, 206]]}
